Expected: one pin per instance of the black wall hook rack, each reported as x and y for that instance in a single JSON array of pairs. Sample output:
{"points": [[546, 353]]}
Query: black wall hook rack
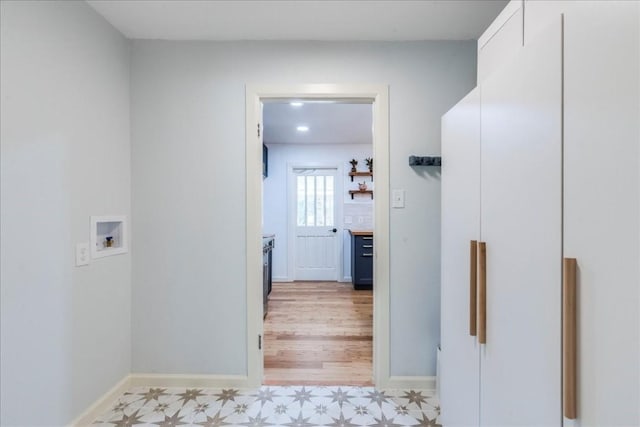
{"points": [[425, 161]]}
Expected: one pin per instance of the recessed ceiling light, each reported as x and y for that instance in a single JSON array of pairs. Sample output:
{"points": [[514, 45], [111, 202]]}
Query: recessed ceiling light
{"points": [[296, 104], [302, 128]]}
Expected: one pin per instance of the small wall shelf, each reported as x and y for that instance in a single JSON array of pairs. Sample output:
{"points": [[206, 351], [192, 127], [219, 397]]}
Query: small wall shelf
{"points": [[352, 174], [353, 192], [112, 229]]}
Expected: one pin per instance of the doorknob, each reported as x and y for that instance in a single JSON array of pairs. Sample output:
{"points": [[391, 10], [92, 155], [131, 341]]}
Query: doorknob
{"points": [[334, 230]]}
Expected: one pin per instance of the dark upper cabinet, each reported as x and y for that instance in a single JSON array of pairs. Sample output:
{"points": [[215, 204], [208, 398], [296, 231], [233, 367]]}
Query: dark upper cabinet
{"points": [[265, 161]]}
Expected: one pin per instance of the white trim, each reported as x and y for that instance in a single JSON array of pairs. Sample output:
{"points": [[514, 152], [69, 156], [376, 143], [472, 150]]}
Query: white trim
{"points": [[412, 383], [103, 403], [379, 95], [185, 380]]}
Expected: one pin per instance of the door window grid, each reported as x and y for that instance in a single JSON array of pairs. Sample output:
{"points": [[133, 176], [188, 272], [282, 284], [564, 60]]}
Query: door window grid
{"points": [[315, 194]]}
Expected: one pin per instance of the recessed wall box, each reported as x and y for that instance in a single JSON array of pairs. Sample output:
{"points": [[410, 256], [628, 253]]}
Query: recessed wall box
{"points": [[108, 235]]}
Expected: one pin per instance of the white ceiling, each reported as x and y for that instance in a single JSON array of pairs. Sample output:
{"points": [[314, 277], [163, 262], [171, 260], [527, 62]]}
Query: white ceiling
{"points": [[382, 20], [328, 123], [300, 20]]}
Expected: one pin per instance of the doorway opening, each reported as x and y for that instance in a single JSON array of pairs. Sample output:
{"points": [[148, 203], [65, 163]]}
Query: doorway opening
{"points": [[315, 193], [318, 322]]}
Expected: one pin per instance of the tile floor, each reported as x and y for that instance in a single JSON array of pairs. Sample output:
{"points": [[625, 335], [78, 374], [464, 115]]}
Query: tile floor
{"points": [[273, 406]]}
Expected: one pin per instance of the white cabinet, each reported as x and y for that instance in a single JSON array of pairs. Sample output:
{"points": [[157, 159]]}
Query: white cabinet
{"points": [[559, 163], [601, 198], [521, 196], [501, 41], [502, 184], [459, 363], [601, 201]]}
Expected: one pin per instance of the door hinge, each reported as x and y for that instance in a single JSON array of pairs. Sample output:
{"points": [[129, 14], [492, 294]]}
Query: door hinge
{"points": [[258, 130], [259, 342]]}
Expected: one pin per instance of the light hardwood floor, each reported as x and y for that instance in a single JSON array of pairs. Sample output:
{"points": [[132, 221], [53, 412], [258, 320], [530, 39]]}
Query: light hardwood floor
{"points": [[318, 333]]}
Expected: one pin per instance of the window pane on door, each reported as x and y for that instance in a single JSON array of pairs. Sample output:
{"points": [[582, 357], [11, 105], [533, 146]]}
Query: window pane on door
{"points": [[329, 201], [311, 205], [320, 195], [301, 208]]}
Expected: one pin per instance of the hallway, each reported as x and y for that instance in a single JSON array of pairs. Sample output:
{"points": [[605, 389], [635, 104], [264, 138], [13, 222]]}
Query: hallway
{"points": [[318, 333]]}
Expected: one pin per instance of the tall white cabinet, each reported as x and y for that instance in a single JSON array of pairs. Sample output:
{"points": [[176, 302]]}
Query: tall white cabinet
{"points": [[521, 220], [460, 361], [502, 186], [540, 163]]}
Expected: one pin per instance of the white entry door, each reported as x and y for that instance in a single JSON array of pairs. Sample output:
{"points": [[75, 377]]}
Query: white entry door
{"points": [[316, 233]]}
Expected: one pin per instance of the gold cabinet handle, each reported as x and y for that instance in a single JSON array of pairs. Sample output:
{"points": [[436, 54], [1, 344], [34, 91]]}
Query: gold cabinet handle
{"points": [[569, 338], [482, 293], [473, 279]]}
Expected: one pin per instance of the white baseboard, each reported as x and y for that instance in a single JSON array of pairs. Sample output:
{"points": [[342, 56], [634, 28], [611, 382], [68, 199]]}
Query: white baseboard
{"points": [[346, 279], [103, 404], [181, 380], [412, 383], [280, 279]]}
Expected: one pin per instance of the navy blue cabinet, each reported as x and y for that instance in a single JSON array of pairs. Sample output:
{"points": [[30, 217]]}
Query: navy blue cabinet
{"points": [[362, 260], [268, 243]]}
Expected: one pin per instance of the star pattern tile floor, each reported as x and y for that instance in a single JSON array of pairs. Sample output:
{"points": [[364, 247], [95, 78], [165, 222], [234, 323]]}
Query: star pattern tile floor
{"points": [[273, 406]]}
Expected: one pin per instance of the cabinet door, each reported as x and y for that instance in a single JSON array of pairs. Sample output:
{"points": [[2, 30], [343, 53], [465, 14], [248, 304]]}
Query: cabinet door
{"points": [[459, 370], [601, 204], [521, 183], [362, 261]]}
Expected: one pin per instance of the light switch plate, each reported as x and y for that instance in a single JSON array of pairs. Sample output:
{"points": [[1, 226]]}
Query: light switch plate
{"points": [[83, 254], [397, 199]]}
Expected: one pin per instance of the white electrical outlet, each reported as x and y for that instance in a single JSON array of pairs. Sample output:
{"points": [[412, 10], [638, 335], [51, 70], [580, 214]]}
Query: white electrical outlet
{"points": [[83, 254], [397, 199]]}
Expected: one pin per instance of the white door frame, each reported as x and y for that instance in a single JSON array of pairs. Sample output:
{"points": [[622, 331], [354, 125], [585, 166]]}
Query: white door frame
{"points": [[291, 220], [379, 96]]}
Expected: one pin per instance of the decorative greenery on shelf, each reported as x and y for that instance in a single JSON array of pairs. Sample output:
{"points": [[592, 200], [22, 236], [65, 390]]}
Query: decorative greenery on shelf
{"points": [[369, 161], [354, 163]]}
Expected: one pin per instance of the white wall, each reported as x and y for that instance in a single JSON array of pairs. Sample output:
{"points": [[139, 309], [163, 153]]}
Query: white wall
{"points": [[65, 156], [188, 112], [275, 195]]}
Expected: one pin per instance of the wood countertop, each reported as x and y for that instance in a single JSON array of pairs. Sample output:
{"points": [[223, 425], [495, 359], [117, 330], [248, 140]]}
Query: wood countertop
{"points": [[361, 232]]}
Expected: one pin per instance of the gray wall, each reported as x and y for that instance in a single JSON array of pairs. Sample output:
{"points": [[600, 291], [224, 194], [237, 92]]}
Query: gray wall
{"points": [[188, 112], [65, 331]]}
